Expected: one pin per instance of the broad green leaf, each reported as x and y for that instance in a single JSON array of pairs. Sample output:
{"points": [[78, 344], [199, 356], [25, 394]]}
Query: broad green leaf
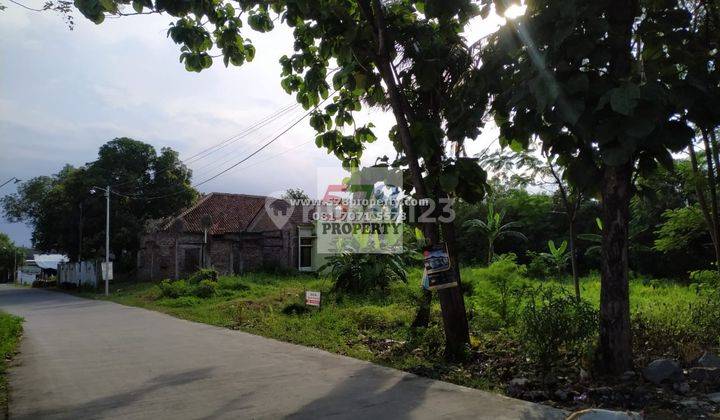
{"points": [[624, 99]]}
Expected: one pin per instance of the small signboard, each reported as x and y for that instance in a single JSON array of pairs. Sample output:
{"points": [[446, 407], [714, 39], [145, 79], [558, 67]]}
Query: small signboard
{"points": [[438, 273], [107, 270], [436, 259], [312, 298]]}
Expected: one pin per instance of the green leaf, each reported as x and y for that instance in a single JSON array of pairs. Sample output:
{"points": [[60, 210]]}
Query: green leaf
{"points": [[108, 5], [137, 5], [624, 99], [449, 180], [639, 127]]}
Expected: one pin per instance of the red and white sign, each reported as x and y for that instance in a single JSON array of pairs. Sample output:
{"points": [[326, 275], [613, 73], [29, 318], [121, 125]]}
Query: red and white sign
{"points": [[312, 298]]}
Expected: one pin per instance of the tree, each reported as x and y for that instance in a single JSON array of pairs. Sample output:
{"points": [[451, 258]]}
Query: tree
{"points": [[407, 56], [494, 228], [603, 86], [559, 258], [66, 218], [11, 257], [537, 172], [680, 229], [295, 194]]}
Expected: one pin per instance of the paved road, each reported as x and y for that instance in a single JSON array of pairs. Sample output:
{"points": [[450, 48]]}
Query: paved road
{"points": [[84, 359]]}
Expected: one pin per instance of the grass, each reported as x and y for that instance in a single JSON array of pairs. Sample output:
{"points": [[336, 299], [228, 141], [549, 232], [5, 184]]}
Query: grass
{"points": [[376, 326], [10, 332]]}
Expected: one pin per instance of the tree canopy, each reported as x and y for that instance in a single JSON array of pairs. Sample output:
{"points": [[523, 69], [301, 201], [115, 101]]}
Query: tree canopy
{"points": [[67, 218]]}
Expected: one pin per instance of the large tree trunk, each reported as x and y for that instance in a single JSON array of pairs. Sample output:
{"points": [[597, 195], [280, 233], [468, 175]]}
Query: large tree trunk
{"points": [[452, 303], [615, 350], [451, 300]]}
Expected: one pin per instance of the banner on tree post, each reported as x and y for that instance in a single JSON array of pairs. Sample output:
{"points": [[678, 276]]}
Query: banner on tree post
{"points": [[438, 272]]}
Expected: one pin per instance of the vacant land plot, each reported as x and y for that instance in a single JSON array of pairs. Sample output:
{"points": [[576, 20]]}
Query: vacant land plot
{"points": [[521, 327]]}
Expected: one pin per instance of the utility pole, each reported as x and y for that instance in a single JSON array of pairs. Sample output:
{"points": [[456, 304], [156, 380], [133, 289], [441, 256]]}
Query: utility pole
{"points": [[15, 279], [107, 241]]}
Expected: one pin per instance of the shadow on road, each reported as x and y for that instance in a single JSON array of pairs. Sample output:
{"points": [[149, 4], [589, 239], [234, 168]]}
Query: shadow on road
{"points": [[95, 408]]}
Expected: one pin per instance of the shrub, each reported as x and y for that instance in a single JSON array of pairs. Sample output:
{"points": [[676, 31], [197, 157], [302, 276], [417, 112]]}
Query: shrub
{"points": [[539, 267], [553, 322], [203, 274], [174, 289], [709, 278], [507, 286], [705, 316], [358, 273], [205, 289]]}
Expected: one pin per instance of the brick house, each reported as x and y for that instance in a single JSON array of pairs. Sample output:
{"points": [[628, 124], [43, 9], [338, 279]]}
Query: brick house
{"points": [[232, 233]]}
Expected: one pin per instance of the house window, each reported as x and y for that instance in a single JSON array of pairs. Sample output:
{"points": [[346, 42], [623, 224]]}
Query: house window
{"points": [[306, 242]]}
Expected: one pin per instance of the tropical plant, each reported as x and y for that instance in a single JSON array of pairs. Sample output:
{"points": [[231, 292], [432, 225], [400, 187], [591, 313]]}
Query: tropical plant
{"points": [[559, 256], [494, 228], [595, 250], [359, 273]]}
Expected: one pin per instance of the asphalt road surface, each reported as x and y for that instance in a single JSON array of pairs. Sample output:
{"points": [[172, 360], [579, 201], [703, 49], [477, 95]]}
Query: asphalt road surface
{"points": [[83, 359]]}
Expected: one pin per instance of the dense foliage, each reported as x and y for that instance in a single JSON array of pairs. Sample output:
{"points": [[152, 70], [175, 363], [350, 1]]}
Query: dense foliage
{"points": [[10, 257], [68, 218]]}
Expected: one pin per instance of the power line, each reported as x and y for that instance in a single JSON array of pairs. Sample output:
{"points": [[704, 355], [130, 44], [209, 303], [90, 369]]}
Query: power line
{"points": [[27, 7], [224, 171], [254, 127], [232, 156], [242, 134], [266, 144], [261, 123]]}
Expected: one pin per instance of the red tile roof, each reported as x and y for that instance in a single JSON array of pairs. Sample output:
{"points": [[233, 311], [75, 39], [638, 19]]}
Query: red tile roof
{"points": [[265, 223], [229, 213]]}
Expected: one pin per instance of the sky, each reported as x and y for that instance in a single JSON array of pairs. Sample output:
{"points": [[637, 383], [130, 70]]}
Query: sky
{"points": [[65, 93]]}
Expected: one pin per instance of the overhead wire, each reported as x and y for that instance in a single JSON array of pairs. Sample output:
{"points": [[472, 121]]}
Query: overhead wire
{"points": [[236, 164]]}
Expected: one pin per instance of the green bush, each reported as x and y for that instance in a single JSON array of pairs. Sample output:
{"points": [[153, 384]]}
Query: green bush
{"points": [[507, 285], [174, 289], [205, 289], [203, 274], [553, 323], [709, 278], [705, 316], [359, 273], [539, 266]]}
